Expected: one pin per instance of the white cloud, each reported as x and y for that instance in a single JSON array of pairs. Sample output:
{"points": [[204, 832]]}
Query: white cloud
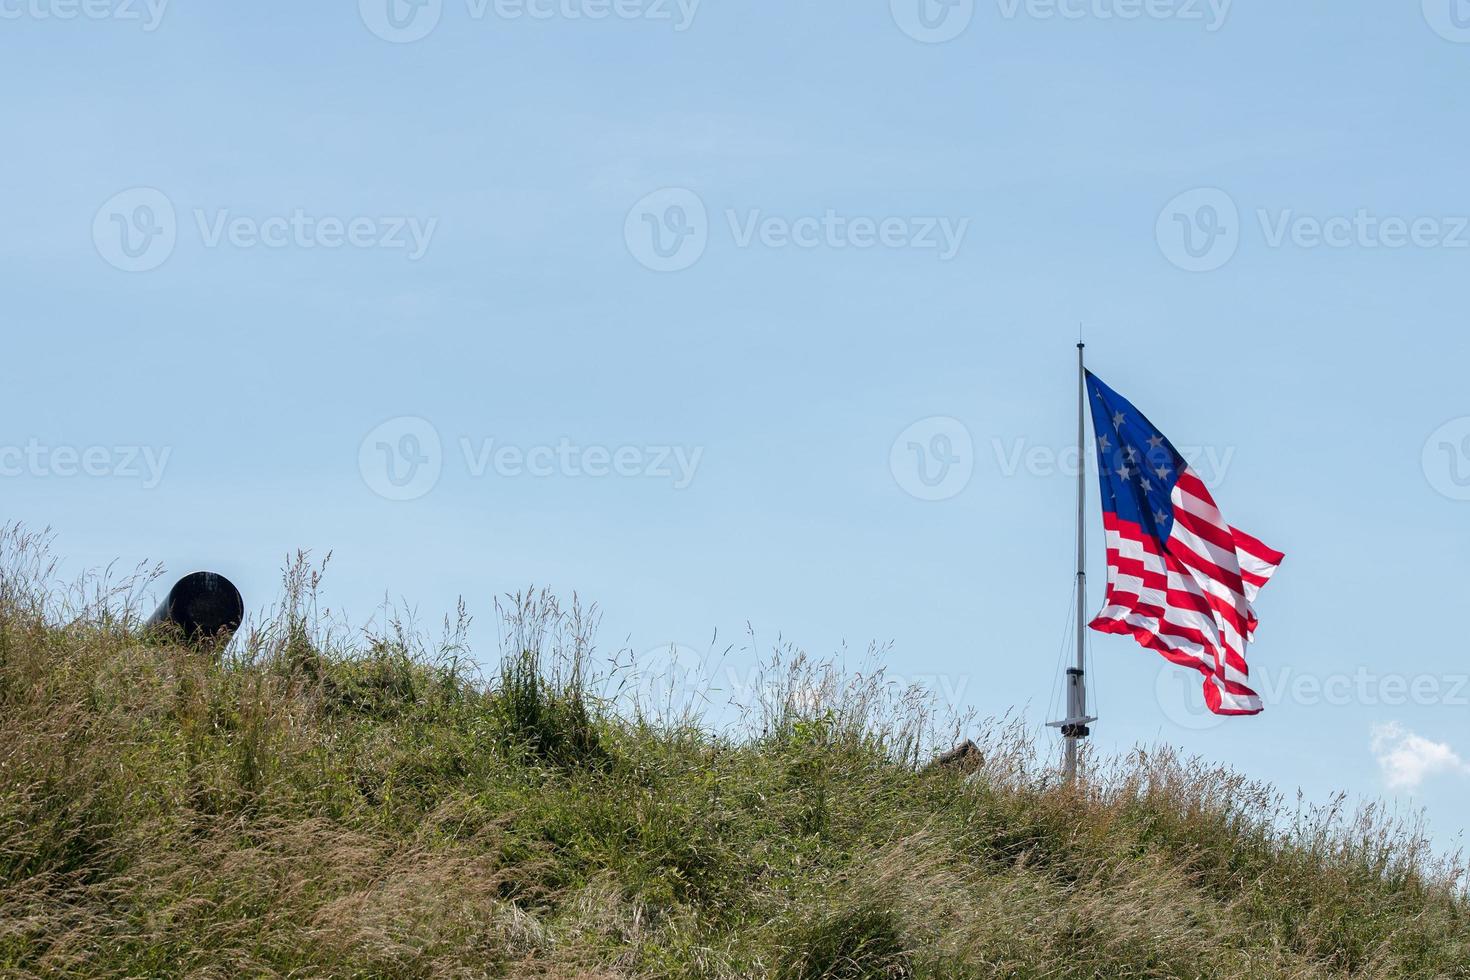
{"points": [[1407, 759]]}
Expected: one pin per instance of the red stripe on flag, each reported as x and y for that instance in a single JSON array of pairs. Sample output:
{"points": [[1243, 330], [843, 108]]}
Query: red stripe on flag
{"points": [[1208, 604]]}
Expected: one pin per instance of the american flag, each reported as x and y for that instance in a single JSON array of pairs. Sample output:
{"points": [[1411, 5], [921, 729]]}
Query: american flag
{"points": [[1181, 580]]}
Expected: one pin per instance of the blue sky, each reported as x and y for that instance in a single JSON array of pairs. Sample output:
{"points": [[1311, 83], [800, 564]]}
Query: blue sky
{"points": [[650, 301]]}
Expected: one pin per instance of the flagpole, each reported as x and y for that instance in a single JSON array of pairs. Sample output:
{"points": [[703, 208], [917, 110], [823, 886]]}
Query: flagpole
{"points": [[1074, 726], [1075, 729]]}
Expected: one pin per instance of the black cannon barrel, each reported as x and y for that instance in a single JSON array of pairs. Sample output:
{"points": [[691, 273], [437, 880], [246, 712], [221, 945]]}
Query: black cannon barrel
{"points": [[203, 606]]}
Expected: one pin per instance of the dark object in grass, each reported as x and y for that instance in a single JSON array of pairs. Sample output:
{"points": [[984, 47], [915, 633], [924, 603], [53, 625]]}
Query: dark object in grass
{"points": [[966, 757], [204, 607]]}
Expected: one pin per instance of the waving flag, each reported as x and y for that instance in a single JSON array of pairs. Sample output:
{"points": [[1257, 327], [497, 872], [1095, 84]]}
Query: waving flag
{"points": [[1181, 580]]}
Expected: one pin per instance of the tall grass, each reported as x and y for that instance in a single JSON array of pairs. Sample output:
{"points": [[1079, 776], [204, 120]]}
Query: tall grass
{"points": [[316, 801], [543, 701]]}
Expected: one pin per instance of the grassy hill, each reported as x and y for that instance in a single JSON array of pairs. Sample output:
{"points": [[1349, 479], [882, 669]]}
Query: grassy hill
{"points": [[312, 805]]}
